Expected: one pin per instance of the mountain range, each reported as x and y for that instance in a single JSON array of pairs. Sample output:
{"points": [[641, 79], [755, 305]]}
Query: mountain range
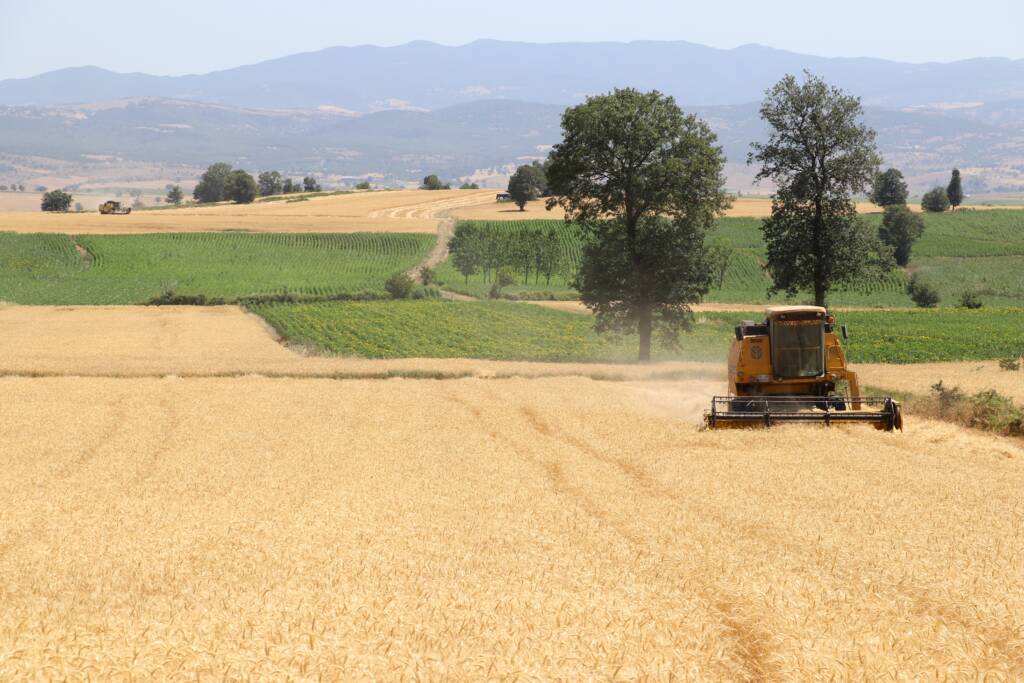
{"points": [[403, 111]]}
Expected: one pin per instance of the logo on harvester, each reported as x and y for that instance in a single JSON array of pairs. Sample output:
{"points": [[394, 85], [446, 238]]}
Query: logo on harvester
{"points": [[756, 351]]}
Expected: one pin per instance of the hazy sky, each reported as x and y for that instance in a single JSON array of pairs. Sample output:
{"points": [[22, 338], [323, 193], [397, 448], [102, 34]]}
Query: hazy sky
{"points": [[195, 36]]}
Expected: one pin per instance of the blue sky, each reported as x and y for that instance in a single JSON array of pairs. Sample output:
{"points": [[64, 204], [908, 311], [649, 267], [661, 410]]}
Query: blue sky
{"points": [[190, 36]]}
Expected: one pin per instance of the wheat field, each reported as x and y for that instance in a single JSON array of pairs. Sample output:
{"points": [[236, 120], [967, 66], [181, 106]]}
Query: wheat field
{"points": [[970, 376], [392, 211], [529, 529], [381, 211]]}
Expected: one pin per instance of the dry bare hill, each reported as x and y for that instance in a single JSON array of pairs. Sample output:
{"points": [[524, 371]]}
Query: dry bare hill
{"points": [[555, 528]]}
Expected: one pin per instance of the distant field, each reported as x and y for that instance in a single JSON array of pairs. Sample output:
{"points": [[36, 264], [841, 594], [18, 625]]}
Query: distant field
{"points": [[756, 207], [515, 331], [380, 211], [122, 269], [972, 251], [497, 330]]}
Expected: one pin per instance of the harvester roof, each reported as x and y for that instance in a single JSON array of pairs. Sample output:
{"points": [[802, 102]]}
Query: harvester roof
{"points": [[779, 310]]}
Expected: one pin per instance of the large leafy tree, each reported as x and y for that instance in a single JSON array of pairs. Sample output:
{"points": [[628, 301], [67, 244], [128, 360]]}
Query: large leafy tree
{"points": [[645, 182], [212, 185], [819, 156], [241, 187], [56, 200], [524, 186], [955, 190], [889, 188]]}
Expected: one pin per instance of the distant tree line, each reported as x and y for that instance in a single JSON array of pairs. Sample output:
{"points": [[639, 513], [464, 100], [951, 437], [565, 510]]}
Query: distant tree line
{"points": [[222, 183], [523, 251], [13, 188]]}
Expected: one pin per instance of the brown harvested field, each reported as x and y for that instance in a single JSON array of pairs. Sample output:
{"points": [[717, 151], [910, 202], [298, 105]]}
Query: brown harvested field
{"points": [[539, 529], [970, 376], [394, 211]]}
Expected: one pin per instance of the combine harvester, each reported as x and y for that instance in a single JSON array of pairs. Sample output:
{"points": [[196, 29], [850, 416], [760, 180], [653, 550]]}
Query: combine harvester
{"points": [[114, 208], [791, 368]]}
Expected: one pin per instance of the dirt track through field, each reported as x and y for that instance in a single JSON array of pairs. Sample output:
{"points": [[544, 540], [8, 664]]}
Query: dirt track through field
{"points": [[558, 528]]}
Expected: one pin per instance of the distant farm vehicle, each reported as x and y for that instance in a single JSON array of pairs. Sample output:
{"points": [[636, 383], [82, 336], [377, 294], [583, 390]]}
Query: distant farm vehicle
{"points": [[503, 197], [112, 207]]}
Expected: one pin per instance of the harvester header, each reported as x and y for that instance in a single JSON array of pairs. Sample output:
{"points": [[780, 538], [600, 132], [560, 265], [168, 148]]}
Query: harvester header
{"points": [[792, 368]]}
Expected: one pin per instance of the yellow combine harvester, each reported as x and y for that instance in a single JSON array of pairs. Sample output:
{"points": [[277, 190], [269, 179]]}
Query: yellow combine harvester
{"points": [[791, 368], [115, 208]]}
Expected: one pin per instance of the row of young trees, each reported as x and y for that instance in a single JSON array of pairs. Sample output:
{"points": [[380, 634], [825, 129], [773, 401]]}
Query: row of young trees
{"points": [[14, 187], [220, 182], [524, 251]]}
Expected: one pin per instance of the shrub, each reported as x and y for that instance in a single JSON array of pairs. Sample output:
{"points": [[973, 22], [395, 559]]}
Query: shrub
{"points": [[469, 186], [428, 276], [970, 300], [365, 185], [400, 286], [988, 410], [921, 293], [935, 200], [1011, 364]]}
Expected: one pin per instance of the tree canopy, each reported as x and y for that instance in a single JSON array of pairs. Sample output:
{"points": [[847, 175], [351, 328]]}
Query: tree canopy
{"points": [[900, 228], [241, 187], [935, 200], [175, 195], [310, 184], [889, 188], [646, 182], [955, 190], [818, 155], [56, 200], [212, 184], [432, 182], [524, 186], [270, 183]]}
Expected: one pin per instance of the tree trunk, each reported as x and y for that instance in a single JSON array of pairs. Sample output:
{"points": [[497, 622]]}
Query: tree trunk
{"points": [[643, 323], [819, 293]]}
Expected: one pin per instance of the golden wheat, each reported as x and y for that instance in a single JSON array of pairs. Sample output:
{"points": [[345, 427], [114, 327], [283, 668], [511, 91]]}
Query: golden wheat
{"points": [[539, 529], [125, 341], [397, 211], [970, 376]]}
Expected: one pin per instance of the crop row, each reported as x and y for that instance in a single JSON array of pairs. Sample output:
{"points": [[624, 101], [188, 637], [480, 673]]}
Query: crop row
{"points": [[47, 269]]}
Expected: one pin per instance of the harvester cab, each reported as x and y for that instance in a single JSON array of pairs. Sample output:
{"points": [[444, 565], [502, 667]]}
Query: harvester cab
{"points": [[792, 368]]}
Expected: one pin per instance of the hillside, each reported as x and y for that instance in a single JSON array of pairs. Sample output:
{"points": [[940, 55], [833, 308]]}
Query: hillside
{"points": [[400, 145], [428, 75]]}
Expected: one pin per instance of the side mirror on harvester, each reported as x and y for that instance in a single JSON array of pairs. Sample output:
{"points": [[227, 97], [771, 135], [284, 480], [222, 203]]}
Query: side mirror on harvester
{"points": [[846, 332], [739, 333]]}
